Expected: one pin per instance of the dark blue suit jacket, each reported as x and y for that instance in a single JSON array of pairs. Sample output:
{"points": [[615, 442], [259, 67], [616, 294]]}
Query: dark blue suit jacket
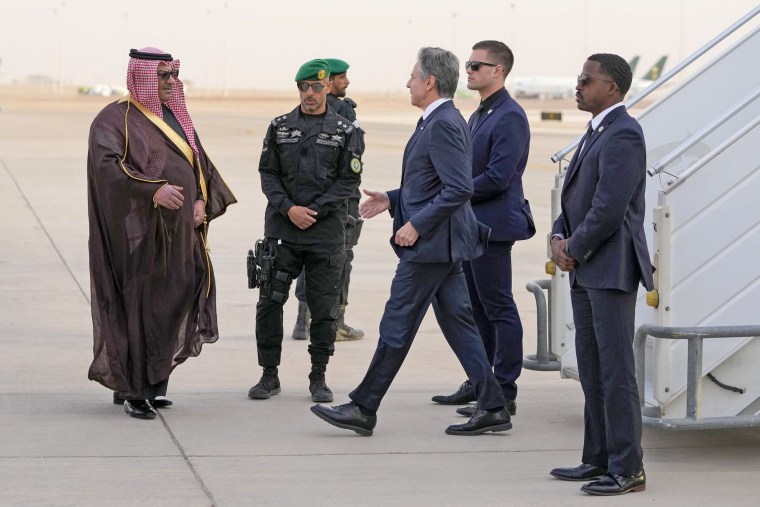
{"points": [[436, 186], [603, 207], [500, 141]]}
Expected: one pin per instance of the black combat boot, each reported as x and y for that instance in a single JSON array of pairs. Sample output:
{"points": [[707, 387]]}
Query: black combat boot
{"points": [[301, 329], [320, 393], [346, 333], [268, 386]]}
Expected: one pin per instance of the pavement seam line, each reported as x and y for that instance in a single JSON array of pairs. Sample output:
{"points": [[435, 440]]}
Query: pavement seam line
{"points": [[44, 229], [187, 460]]}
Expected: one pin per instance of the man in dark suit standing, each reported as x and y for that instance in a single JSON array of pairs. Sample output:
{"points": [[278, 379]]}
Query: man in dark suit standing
{"points": [[500, 141], [435, 230], [599, 238]]}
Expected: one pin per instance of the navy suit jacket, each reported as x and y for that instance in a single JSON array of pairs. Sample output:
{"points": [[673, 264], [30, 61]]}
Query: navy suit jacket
{"points": [[500, 142], [436, 186], [603, 207]]}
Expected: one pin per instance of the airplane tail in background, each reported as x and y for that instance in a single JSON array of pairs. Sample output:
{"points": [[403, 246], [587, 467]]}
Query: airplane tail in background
{"points": [[634, 63], [654, 73]]}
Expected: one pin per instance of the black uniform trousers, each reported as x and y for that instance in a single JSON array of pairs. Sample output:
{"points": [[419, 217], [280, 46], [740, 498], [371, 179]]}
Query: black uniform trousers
{"points": [[489, 281], [415, 286], [345, 279], [604, 329], [352, 238], [322, 264]]}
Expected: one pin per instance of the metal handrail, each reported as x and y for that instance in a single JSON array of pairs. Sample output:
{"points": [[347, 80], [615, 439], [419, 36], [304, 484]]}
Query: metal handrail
{"points": [[695, 336], [660, 165], [543, 360], [558, 156], [707, 158]]}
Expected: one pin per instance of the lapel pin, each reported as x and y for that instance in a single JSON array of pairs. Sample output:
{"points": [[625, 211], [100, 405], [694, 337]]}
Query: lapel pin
{"points": [[490, 111]]}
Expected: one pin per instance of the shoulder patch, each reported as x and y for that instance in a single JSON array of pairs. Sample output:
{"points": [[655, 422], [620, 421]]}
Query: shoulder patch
{"points": [[356, 165], [279, 120], [345, 126]]}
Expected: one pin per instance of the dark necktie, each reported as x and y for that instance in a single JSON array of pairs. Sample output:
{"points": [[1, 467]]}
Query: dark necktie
{"points": [[476, 117], [585, 139]]}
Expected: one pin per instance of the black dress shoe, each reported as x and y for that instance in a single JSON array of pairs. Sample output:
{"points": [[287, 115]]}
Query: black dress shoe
{"points": [[140, 409], [582, 472], [347, 416], [613, 484], [469, 410], [482, 422], [465, 394], [157, 402], [161, 402]]}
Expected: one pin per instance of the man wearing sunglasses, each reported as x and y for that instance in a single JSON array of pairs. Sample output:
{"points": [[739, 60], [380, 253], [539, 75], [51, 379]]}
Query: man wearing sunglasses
{"points": [[343, 106], [152, 193], [599, 239], [500, 141], [310, 166]]}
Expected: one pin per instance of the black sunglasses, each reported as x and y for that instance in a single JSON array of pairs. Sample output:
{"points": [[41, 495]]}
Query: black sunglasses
{"points": [[165, 75], [304, 86], [585, 80], [475, 66]]}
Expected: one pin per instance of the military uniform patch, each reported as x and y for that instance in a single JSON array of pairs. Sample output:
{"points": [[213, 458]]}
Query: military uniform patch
{"points": [[356, 165]]}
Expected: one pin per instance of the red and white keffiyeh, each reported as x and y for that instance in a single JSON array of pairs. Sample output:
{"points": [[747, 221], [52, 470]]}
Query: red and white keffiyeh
{"points": [[142, 83]]}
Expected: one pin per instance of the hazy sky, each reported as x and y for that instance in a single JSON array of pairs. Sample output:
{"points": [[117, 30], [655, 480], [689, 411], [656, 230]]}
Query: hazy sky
{"points": [[256, 44]]}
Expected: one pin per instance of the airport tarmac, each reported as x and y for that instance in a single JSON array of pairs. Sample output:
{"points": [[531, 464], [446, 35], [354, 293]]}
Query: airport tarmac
{"points": [[63, 443]]}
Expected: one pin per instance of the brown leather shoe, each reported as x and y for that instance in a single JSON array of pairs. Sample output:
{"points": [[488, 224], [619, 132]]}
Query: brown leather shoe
{"points": [[582, 472], [614, 484]]}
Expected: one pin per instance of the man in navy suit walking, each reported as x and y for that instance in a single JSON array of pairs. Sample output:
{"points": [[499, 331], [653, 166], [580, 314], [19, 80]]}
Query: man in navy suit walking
{"points": [[435, 230], [500, 140], [599, 238]]}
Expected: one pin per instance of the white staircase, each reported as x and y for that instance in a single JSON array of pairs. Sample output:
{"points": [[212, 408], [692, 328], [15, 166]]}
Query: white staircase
{"points": [[703, 204]]}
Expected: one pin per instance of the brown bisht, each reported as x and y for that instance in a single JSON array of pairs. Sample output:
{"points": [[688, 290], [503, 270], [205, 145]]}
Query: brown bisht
{"points": [[151, 280]]}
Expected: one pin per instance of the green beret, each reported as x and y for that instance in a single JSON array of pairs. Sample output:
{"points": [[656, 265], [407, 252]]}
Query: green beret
{"points": [[314, 70], [337, 66]]}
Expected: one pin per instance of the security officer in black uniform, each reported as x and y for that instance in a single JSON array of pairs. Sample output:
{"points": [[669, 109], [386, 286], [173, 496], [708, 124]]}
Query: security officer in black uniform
{"points": [[344, 106], [337, 99], [310, 165]]}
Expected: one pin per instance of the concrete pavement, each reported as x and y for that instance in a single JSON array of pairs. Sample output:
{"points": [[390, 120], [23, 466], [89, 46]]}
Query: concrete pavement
{"points": [[64, 443]]}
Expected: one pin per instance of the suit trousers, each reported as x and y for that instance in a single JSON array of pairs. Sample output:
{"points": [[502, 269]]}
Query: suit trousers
{"points": [[604, 329], [415, 286], [489, 281]]}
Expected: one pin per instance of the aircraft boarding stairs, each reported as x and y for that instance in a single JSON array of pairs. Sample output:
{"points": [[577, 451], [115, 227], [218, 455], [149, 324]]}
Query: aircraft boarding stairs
{"points": [[697, 341]]}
